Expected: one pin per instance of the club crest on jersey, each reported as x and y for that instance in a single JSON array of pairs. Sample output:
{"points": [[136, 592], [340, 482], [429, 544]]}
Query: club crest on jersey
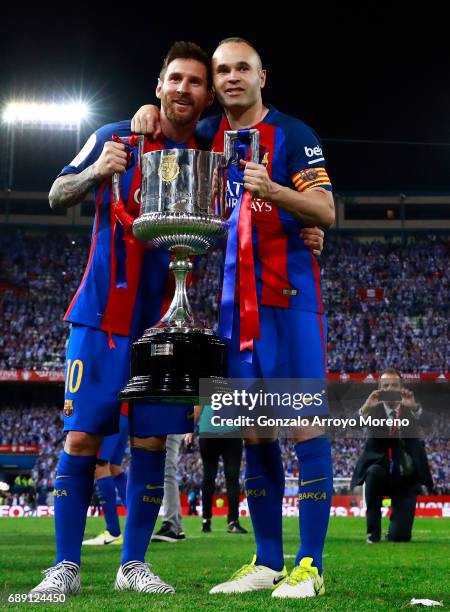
{"points": [[309, 175], [265, 159], [68, 408], [169, 168]]}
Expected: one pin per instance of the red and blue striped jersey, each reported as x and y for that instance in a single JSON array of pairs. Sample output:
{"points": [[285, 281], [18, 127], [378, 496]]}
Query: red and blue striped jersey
{"points": [[287, 274], [124, 283]]}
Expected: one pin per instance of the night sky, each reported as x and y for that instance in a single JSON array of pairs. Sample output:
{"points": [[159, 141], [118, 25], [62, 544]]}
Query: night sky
{"points": [[353, 76]]}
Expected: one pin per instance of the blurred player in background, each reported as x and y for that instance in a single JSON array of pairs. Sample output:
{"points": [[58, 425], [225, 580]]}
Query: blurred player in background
{"points": [[228, 447], [171, 529], [111, 481]]}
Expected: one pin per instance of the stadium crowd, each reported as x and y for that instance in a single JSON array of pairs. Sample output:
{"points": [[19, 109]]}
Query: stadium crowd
{"points": [[42, 425], [387, 301], [405, 326], [38, 276]]}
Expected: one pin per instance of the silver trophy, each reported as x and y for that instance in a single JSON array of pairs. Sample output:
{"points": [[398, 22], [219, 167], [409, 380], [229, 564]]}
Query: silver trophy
{"points": [[183, 210]]}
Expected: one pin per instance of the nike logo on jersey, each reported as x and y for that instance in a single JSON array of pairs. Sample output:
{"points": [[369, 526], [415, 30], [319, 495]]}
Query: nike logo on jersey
{"points": [[303, 483], [252, 478]]}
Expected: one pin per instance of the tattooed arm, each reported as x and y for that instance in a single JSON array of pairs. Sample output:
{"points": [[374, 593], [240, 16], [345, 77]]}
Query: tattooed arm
{"points": [[71, 189]]}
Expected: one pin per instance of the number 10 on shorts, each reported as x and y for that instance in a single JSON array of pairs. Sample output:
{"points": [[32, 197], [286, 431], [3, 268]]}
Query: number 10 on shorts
{"points": [[74, 374]]}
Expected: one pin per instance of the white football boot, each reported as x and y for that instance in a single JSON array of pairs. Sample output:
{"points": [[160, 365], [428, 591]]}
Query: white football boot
{"points": [[103, 539], [137, 576], [304, 581], [61, 579], [251, 577]]}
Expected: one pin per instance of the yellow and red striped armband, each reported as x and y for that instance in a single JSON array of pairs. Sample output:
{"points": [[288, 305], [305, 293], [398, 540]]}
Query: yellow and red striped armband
{"points": [[311, 177]]}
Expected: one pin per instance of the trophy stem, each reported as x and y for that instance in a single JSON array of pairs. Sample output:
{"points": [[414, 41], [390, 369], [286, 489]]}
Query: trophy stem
{"points": [[180, 312]]}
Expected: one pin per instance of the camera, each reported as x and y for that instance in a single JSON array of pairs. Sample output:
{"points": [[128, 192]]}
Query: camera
{"points": [[390, 396]]}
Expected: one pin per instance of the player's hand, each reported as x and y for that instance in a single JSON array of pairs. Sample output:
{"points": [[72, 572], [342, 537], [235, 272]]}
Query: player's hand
{"points": [[313, 239], [371, 402], [147, 121], [113, 159], [256, 179], [408, 400]]}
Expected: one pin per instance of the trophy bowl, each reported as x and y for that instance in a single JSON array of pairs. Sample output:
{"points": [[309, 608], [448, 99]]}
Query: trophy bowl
{"points": [[183, 207]]}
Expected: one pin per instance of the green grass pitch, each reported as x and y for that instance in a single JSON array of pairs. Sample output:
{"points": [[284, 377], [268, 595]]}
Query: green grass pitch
{"points": [[358, 576]]}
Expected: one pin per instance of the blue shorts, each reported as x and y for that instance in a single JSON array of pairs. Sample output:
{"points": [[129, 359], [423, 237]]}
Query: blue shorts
{"points": [[292, 344], [113, 447], [292, 347], [95, 375], [160, 419]]}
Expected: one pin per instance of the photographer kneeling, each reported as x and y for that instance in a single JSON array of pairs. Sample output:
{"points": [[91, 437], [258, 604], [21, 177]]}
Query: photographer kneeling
{"points": [[394, 461]]}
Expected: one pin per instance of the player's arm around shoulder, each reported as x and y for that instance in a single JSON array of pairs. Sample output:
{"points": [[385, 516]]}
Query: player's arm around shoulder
{"points": [[97, 161]]}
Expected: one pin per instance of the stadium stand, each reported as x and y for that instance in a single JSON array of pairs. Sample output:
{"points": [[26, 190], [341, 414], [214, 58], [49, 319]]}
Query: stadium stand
{"points": [[387, 301], [42, 425]]}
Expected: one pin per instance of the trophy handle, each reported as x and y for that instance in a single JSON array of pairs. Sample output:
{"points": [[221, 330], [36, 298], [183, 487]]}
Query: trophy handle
{"points": [[130, 141], [250, 137]]}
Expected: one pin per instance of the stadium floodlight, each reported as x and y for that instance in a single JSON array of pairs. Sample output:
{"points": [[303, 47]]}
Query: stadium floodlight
{"points": [[40, 115], [50, 114]]}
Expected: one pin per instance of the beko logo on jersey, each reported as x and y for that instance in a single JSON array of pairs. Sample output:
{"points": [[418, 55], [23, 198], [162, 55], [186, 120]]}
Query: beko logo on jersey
{"points": [[311, 152]]}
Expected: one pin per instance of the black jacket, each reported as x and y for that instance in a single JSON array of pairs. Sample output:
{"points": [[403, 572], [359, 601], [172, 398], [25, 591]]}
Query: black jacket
{"points": [[376, 450]]}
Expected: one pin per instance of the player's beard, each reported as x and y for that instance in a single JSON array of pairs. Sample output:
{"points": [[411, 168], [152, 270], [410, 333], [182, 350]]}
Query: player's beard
{"points": [[174, 116]]}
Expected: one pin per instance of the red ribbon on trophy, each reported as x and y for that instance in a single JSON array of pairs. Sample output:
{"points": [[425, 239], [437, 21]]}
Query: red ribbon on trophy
{"points": [[127, 215], [239, 259], [248, 299]]}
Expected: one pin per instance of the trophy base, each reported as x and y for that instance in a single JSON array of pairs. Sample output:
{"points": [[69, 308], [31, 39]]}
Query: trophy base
{"points": [[166, 365]]}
